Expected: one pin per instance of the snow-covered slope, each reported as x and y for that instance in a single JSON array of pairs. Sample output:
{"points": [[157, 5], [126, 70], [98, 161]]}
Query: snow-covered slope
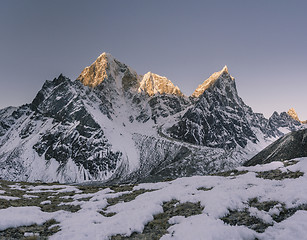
{"points": [[261, 202], [114, 125]]}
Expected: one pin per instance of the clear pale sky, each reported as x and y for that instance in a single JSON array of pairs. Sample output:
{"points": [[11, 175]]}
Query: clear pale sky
{"points": [[263, 43]]}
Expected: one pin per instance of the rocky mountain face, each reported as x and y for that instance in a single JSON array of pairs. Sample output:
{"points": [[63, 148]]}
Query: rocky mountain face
{"points": [[283, 121], [292, 145], [220, 118], [217, 118], [114, 125]]}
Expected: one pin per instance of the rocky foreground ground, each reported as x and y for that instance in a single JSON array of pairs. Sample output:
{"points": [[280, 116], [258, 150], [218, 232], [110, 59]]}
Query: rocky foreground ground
{"points": [[260, 202]]}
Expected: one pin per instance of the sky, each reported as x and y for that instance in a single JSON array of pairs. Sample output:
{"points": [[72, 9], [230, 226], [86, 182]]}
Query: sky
{"points": [[263, 43]]}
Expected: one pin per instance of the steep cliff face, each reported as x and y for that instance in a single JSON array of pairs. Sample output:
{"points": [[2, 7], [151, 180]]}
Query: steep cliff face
{"points": [[218, 117], [114, 125]]}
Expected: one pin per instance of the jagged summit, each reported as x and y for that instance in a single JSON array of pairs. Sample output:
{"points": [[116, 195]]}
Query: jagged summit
{"points": [[292, 113], [154, 84], [94, 74], [105, 54], [223, 74], [219, 117], [225, 69], [106, 67]]}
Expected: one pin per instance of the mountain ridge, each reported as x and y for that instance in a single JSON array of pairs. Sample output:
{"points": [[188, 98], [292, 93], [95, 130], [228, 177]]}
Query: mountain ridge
{"points": [[103, 66], [102, 127]]}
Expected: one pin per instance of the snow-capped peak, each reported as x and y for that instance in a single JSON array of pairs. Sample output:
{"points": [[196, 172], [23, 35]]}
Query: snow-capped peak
{"points": [[154, 84], [211, 80]]}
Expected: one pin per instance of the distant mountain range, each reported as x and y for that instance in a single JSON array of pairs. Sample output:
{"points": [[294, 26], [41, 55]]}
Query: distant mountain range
{"points": [[116, 126]]}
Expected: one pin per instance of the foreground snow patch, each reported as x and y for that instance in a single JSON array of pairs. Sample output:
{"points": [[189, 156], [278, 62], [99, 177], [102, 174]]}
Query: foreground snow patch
{"points": [[205, 227], [216, 195], [22, 216], [292, 228]]}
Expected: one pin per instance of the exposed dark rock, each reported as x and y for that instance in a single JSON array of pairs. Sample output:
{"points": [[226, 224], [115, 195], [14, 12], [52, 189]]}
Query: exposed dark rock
{"points": [[279, 175], [283, 120], [126, 197], [165, 105], [217, 119], [231, 173], [40, 232], [262, 206], [244, 218], [204, 189], [284, 212]]}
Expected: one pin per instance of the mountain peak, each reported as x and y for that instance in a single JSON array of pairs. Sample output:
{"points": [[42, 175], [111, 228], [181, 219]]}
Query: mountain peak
{"points": [[225, 69], [94, 74], [107, 67], [211, 81], [292, 113], [105, 55], [154, 84]]}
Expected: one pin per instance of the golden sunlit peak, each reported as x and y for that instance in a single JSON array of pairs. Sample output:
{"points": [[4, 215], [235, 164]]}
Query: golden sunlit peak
{"points": [[154, 84], [292, 113], [225, 69], [94, 74], [210, 81], [104, 55]]}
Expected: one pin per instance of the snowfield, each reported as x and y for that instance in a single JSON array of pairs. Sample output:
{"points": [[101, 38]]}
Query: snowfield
{"points": [[263, 202]]}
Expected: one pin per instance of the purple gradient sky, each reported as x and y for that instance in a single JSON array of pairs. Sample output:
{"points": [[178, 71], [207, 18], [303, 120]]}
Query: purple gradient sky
{"points": [[263, 43]]}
